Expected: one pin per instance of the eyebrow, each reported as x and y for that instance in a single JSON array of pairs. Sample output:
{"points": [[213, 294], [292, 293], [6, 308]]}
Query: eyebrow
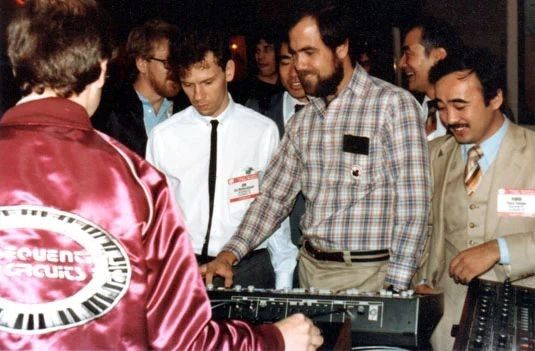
{"points": [[456, 100], [183, 81]]}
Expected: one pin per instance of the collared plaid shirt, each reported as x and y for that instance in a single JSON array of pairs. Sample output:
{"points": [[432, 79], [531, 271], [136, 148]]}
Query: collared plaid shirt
{"points": [[357, 199]]}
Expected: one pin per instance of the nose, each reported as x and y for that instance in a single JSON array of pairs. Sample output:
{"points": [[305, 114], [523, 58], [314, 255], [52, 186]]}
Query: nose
{"points": [[198, 93], [292, 73], [298, 62], [448, 117]]}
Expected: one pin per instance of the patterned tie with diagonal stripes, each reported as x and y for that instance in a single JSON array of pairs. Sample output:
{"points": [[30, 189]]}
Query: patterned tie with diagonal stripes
{"points": [[472, 171]]}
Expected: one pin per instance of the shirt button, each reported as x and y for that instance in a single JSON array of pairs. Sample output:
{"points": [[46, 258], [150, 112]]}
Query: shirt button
{"points": [[470, 242], [472, 225], [473, 206]]}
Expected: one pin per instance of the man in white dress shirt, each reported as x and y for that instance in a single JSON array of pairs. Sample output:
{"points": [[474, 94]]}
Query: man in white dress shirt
{"points": [[214, 154], [427, 41]]}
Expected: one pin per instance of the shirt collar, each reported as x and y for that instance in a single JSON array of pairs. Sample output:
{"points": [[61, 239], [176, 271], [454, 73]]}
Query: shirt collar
{"points": [[224, 116], [48, 111], [490, 147], [165, 104]]}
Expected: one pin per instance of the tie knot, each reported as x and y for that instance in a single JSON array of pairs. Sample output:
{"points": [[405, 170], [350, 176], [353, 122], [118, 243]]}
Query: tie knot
{"points": [[475, 153], [298, 107], [432, 104], [214, 123]]}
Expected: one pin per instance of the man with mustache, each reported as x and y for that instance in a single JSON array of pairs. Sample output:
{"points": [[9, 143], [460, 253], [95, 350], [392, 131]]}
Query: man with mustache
{"points": [[137, 107], [481, 178], [358, 154]]}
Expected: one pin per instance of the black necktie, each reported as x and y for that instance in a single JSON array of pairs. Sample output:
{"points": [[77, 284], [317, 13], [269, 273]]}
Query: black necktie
{"points": [[212, 170], [431, 119], [298, 107]]}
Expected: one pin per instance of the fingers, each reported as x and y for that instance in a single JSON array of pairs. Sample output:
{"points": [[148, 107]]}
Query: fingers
{"points": [[215, 268], [208, 277], [228, 281], [202, 269], [423, 289]]}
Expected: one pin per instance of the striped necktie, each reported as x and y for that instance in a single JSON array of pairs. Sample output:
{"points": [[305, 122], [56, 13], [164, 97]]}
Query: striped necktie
{"points": [[472, 171]]}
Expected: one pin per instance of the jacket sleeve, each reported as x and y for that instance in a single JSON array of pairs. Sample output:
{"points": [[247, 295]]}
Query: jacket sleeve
{"points": [[178, 310], [522, 262]]}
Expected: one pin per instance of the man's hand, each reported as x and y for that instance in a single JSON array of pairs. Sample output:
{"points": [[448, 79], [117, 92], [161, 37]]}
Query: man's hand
{"points": [[299, 333], [475, 261], [423, 289], [221, 265]]}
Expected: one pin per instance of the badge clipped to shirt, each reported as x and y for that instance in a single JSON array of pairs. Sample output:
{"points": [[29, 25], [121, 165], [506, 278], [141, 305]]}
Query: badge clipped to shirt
{"points": [[516, 203], [244, 187]]}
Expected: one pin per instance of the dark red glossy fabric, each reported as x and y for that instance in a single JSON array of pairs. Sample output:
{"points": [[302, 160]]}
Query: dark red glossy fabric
{"points": [[93, 251]]}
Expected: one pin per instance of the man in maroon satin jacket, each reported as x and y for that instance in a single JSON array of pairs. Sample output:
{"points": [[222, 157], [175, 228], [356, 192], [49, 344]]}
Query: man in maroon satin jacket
{"points": [[93, 252]]}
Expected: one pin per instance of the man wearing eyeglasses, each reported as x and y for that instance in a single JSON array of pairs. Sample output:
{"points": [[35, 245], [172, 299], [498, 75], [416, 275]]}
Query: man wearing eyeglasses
{"points": [[137, 107]]}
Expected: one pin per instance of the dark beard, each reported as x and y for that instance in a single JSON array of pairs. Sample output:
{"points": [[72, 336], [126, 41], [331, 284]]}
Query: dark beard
{"points": [[325, 86]]}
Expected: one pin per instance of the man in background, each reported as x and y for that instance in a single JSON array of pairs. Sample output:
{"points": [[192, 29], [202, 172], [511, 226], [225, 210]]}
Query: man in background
{"points": [[258, 89], [135, 108], [427, 41]]}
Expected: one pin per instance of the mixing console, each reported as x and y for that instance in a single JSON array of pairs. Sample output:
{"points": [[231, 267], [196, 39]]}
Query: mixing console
{"points": [[497, 316]]}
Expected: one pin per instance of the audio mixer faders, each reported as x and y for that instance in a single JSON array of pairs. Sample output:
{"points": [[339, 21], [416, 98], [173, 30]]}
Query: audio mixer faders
{"points": [[497, 316]]}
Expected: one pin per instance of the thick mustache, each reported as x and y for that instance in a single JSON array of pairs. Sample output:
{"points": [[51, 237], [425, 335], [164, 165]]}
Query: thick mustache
{"points": [[457, 125]]}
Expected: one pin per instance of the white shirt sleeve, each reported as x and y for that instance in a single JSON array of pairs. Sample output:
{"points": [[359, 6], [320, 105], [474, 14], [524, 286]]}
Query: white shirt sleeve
{"points": [[283, 255], [282, 251]]}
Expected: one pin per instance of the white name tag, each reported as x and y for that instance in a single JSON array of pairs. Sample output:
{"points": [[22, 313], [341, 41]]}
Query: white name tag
{"points": [[244, 187], [516, 202]]}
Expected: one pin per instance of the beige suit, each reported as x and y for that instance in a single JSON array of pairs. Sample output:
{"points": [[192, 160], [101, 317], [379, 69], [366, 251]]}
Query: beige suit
{"points": [[458, 222]]}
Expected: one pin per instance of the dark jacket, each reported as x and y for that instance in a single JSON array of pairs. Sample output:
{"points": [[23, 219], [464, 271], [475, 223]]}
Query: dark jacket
{"points": [[121, 117]]}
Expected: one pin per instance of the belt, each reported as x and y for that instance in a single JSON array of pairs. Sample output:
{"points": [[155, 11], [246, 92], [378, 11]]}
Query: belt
{"points": [[355, 256], [201, 260]]}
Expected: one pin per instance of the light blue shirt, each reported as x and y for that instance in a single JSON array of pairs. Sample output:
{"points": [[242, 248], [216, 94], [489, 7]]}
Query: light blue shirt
{"points": [[490, 148], [151, 119]]}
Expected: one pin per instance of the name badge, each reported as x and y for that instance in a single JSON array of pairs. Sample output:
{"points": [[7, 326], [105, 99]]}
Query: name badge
{"points": [[244, 187], [516, 202]]}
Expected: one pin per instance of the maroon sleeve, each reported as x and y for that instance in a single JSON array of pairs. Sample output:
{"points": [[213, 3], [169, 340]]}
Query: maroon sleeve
{"points": [[178, 309]]}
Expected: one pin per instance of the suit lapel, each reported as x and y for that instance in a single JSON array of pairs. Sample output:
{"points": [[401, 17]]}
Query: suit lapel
{"points": [[507, 173], [442, 162]]}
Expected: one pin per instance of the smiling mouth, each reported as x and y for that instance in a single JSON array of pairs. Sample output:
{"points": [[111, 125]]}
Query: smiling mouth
{"points": [[410, 75], [295, 85], [458, 128]]}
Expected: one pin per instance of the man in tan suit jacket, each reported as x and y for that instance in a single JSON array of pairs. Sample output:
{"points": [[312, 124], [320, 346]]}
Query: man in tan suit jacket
{"points": [[474, 231]]}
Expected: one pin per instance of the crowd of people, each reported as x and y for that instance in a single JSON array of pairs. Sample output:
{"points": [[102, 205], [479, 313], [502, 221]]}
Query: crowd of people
{"points": [[310, 173]]}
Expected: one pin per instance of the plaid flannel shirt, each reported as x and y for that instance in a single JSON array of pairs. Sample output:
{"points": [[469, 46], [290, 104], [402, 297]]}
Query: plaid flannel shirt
{"points": [[362, 200]]}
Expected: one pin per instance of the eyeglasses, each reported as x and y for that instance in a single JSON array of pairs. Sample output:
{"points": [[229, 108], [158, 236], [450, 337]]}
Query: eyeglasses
{"points": [[164, 62]]}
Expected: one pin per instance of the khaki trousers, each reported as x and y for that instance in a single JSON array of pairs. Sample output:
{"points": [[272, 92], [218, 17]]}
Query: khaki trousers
{"points": [[337, 276]]}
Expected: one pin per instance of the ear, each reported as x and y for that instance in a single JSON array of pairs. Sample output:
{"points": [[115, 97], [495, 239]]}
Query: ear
{"points": [[141, 64], [230, 69], [342, 50], [103, 72], [497, 101], [439, 54]]}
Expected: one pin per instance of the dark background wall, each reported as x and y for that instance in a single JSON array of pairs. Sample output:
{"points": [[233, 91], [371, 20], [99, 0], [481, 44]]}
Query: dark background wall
{"points": [[481, 22]]}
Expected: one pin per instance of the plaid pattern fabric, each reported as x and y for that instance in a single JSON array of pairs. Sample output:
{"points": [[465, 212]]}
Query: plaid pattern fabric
{"points": [[361, 200], [472, 171]]}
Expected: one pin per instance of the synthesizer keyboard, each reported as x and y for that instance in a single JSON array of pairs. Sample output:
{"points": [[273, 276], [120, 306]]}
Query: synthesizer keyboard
{"points": [[382, 318]]}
